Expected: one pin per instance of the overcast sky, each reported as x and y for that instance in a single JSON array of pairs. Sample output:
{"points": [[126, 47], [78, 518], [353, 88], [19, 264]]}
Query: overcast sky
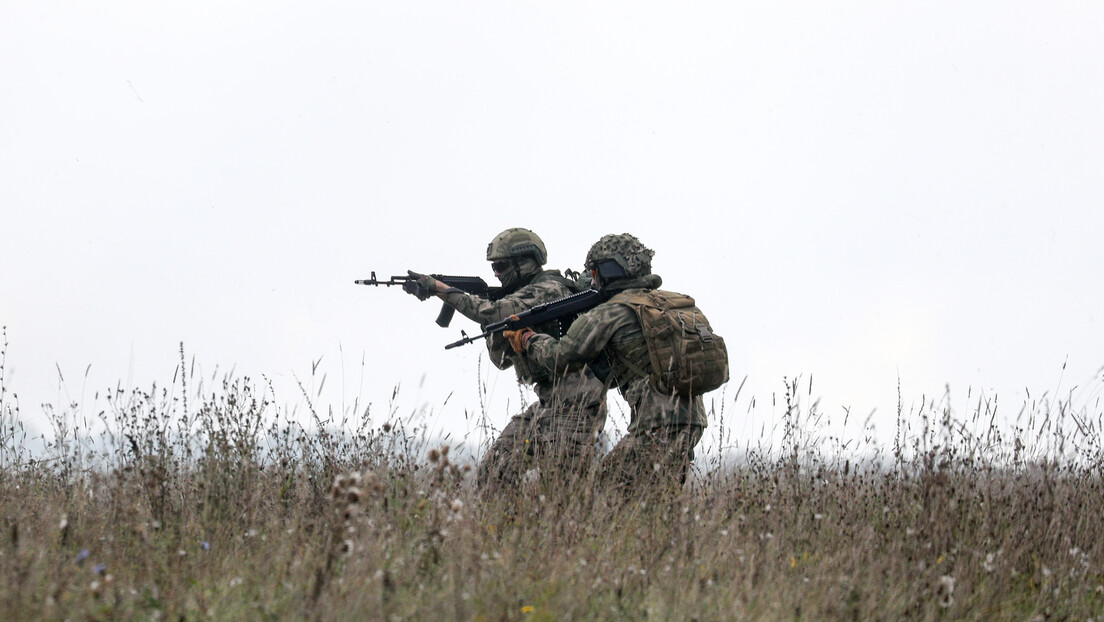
{"points": [[864, 193]]}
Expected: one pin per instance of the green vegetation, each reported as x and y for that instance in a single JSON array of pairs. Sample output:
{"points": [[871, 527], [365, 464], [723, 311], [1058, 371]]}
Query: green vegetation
{"points": [[220, 507]]}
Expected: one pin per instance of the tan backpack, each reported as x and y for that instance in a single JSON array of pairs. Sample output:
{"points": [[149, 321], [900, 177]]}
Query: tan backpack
{"points": [[687, 357]]}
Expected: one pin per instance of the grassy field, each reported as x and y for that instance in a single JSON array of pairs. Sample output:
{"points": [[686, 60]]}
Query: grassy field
{"points": [[223, 508]]}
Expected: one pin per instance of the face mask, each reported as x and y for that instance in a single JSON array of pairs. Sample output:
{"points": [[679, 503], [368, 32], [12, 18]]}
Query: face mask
{"points": [[506, 272]]}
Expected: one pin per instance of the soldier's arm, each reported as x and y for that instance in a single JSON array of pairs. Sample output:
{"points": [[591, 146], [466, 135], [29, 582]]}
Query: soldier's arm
{"points": [[584, 341]]}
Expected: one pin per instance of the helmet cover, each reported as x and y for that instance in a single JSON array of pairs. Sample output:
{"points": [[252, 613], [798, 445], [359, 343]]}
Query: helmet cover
{"points": [[626, 250]]}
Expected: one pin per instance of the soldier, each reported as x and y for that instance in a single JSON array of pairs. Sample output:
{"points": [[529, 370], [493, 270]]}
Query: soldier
{"points": [[664, 428], [561, 427]]}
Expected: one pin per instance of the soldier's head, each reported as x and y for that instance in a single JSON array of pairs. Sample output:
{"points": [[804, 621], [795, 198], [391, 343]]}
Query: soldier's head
{"points": [[516, 254], [618, 256]]}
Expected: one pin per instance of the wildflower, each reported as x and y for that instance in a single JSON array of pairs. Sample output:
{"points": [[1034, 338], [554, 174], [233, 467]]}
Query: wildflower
{"points": [[945, 591], [988, 565], [64, 522], [83, 555], [206, 545], [99, 568], [527, 609], [353, 495]]}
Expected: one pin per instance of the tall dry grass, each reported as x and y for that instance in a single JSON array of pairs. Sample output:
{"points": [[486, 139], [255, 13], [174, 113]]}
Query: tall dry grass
{"points": [[223, 507]]}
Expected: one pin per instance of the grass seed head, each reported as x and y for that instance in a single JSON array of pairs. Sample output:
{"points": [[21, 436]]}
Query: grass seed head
{"points": [[945, 591]]}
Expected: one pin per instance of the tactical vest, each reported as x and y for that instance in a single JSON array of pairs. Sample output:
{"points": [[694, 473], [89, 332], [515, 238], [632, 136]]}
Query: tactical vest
{"points": [[687, 357]]}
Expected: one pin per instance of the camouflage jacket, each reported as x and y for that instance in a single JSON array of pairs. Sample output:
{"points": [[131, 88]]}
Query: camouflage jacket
{"points": [[612, 330], [545, 287]]}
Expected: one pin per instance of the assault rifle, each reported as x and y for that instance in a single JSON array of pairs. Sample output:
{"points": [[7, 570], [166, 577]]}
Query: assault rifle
{"points": [[564, 310], [470, 284]]}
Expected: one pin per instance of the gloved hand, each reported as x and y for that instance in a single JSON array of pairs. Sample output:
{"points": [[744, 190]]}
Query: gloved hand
{"points": [[518, 338], [423, 286]]}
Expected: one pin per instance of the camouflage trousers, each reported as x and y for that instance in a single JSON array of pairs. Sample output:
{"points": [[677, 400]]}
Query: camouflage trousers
{"points": [[655, 461], [557, 434]]}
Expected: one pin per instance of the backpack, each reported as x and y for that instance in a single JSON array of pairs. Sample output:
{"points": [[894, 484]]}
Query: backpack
{"points": [[687, 357]]}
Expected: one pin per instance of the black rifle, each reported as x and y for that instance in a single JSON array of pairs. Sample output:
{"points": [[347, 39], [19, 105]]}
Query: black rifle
{"points": [[565, 310], [470, 284]]}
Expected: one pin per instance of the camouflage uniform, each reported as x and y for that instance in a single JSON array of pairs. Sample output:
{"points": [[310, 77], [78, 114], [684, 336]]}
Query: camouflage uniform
{"points": [[561, 427], [663, 429]]}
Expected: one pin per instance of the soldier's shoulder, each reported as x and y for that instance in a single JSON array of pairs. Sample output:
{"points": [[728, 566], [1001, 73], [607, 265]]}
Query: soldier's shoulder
{"points": [[608, 310], [548, 289], [623, 297], [659, 297]]}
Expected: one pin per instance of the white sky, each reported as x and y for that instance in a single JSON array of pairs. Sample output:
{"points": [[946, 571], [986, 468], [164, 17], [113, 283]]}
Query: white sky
{"points": [[859, 192]]}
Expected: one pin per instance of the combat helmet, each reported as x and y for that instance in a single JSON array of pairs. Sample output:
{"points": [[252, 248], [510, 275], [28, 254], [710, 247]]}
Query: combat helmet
{"points": [[625, 250], [517, 243]]}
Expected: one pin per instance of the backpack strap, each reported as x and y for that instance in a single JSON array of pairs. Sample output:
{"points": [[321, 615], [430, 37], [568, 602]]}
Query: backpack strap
{"points": [[633, 301]]}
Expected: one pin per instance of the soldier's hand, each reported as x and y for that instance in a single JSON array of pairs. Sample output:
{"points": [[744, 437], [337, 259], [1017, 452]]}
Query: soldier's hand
{"points": [[422, 285], [518, 338]]}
